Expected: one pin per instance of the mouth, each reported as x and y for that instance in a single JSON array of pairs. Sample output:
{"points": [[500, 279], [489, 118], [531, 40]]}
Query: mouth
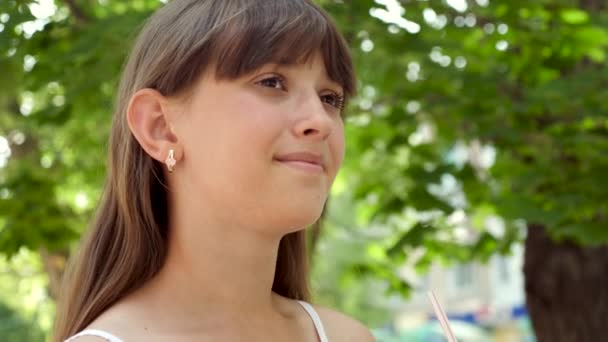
{"points": [[304, 161]]}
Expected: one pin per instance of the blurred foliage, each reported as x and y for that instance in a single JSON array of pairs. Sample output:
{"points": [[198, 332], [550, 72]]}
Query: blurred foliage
{"points": [[473, 121], [26, 311], [13, 328], [470, 121], [338, 279]]}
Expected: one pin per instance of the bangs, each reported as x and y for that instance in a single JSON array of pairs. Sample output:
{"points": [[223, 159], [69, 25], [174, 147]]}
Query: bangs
{"points": [[284, 32]]}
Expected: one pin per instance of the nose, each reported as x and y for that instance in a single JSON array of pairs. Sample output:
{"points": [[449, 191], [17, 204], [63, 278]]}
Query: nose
{"points": [[313, 121]]}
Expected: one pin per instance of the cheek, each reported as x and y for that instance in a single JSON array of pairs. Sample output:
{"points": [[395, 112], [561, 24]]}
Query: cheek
{"points": [[337, 145], [232, 144]]}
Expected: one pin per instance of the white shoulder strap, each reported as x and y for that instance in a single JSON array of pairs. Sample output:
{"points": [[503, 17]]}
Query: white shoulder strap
{"points": [[97, 333], [316, 320]]}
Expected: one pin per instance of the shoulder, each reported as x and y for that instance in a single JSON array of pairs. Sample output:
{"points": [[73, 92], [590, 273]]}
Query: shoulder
{"points": [[340, 327]]}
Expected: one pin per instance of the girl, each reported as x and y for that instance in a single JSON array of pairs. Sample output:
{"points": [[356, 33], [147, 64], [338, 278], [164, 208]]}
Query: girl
{"points": [[226, 139]]}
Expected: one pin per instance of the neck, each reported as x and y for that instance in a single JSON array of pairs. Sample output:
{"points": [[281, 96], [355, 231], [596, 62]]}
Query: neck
{"points": [[224, 270]]}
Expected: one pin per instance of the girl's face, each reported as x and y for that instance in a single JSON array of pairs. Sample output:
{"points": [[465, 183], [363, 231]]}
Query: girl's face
{"points": [[264, 149]]}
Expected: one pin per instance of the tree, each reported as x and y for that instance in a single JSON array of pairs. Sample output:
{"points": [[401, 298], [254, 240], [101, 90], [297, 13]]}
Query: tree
{"points": [[58, 77], [468, 113], [502, 104]]}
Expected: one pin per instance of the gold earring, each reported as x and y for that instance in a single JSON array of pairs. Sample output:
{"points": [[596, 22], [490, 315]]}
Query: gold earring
{"points": [[170, 161]]}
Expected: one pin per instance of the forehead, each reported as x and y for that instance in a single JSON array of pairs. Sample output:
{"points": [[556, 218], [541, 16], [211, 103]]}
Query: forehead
{"points": [[281, 32]]}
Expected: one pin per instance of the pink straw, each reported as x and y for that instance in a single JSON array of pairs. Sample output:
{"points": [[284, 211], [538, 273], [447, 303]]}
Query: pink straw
{"points": [[441, 317]]}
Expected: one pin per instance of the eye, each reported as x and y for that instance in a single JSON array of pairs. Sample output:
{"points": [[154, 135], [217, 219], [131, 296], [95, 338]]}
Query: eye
{"points": [[333, 99], [275, 82]]}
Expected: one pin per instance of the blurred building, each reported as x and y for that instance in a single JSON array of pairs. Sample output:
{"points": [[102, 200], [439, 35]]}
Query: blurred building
{"points": [[488, 296]]}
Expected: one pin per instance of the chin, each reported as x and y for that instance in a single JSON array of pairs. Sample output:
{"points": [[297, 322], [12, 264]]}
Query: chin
{"points": [[300, 218]]}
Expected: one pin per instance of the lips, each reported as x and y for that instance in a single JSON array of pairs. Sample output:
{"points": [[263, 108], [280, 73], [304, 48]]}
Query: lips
{"points": [[302, 158]]}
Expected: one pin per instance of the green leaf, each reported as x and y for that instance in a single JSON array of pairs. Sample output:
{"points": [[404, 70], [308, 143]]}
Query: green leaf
{"points": [[574, 16]]}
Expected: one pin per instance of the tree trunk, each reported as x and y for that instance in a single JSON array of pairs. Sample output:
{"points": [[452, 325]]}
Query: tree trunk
{"points": [[54, 264], [566, 288]]}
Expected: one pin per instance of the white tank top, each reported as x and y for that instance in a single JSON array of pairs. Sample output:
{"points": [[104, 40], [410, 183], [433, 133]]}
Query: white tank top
{"points": [[316, 320]]}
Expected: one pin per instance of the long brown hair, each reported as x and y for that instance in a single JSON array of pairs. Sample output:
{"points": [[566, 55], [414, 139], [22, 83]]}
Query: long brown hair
{"points": [[127, 243]]}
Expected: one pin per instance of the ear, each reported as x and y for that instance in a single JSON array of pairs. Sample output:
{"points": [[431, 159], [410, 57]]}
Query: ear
{"points": [[148, 119]]}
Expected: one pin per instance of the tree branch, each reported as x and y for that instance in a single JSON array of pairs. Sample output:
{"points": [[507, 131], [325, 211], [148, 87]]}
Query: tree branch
{"points": [[79, 14]]}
